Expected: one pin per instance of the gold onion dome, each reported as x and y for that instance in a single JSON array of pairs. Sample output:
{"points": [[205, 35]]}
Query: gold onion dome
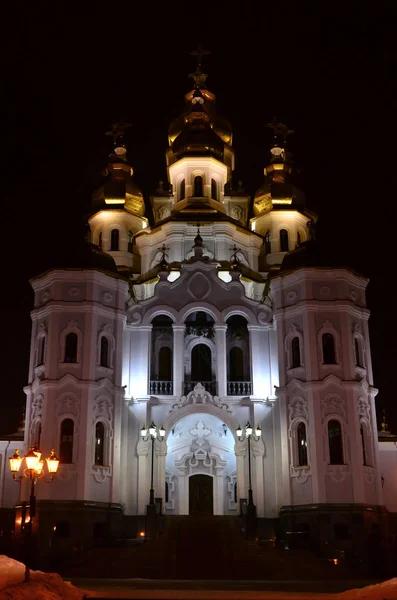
{"points": [[278, 189], [119, 190]]}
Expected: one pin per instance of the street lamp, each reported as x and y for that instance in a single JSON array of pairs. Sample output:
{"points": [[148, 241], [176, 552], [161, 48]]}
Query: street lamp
{"points": [[34, 471], [151, 434], [243, 434]]}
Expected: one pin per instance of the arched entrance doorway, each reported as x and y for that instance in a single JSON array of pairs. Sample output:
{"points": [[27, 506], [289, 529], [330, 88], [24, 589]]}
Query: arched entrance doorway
{"points": [[201, 495], [201, 468]]}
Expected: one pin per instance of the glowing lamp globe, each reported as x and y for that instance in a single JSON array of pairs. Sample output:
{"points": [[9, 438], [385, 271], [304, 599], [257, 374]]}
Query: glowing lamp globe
{"points": [[162, 431], [15, 462], [32, 459], [152, 429], [258, 431], [239, 432], [52, 463], [248, 429], [143, 432]]}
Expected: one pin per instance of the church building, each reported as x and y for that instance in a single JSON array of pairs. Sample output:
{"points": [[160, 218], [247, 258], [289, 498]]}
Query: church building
{"points": [[207, 358]]}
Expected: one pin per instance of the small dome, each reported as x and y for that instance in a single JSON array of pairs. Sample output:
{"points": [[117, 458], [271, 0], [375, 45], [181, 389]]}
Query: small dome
{"points": [[310, 254], [81, 255]]}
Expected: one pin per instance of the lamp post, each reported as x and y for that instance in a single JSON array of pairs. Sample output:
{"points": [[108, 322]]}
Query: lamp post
{"points": [[33, 471], [151, 434], [243, 434]]}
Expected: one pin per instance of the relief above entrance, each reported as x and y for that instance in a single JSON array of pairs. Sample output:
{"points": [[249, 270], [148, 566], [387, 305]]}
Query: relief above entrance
{"points": [[199, 395]]}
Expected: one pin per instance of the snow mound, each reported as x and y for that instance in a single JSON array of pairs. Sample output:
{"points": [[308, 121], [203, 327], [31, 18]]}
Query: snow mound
{"points": [[387, 590], [40, 586], [11, 571]]}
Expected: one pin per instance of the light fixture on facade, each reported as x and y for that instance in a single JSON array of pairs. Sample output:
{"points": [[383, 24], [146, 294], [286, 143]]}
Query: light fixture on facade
{"points": [[152, 434]]}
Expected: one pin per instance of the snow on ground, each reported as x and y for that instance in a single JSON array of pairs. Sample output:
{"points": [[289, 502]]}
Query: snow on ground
{"points": [[387, 590], [40, 586]]}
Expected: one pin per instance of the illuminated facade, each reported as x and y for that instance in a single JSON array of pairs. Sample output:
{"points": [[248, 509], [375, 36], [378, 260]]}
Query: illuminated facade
{"points": [[206, 320]]}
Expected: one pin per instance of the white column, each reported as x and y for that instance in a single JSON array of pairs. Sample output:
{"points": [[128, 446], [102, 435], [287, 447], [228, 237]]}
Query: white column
{"points": [[221, 371], [183, 493], [258, 451], [218, 491], [143, 479], [159, 486], [258, 358], [178, 357], [240, 450]]}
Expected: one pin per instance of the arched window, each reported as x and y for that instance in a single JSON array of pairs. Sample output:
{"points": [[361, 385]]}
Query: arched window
{"points": [[236, 364], [329, 356], [104, 357], [358, 357], [214, 190], [198, 186], [298, 239], [41, 356], [362, 434], [100, 240], [201, 363], [71, 342], [295, 353], [182, 190], [165, 364], [114, 240], [66, 441], [335, 442], [99, 443], [268, 244], [284, 240], [302, 444]]}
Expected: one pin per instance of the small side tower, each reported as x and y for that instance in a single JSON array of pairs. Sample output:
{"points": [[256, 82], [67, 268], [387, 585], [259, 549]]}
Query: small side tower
{"points": [[74, 395], [280, 215], [328, 432]]}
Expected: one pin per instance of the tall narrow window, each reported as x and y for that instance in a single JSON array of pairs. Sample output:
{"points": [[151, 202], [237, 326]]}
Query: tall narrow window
{"points": [[295, 353], [362, 434], [236, 364], [268, 244], [214, 190], [298, 239], [100, 240], [71, 342], [329, 356], [198, 186], [357, 353], [104, 358], [66, 441], [41, 351], [335, 442], [302, 444], [167, 492], [182, 190], [165, 364], [114, 240], [99, 443], [284, 240]]}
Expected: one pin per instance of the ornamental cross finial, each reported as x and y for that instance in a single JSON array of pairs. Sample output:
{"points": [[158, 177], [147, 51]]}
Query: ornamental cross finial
{"points": [[117, 132], [198, 76], [279, 129], [199, 52]]}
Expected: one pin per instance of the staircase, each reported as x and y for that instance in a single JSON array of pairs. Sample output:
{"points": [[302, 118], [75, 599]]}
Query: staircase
{"points": [[204, 548]]}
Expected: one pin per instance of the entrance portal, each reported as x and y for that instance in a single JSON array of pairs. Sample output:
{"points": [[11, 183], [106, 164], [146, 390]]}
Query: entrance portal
{"points": [[201, 495]]}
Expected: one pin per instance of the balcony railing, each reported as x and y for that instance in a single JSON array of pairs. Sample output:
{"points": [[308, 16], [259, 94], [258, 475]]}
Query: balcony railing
{"points": [[238, 388], [161, 388], [210, 386]]}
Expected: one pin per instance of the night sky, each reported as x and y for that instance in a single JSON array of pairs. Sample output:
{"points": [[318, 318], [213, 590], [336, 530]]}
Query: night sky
{"points": [[66, 76]]}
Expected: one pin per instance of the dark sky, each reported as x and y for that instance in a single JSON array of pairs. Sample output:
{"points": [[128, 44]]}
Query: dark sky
{"points": [[67, 75]]}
